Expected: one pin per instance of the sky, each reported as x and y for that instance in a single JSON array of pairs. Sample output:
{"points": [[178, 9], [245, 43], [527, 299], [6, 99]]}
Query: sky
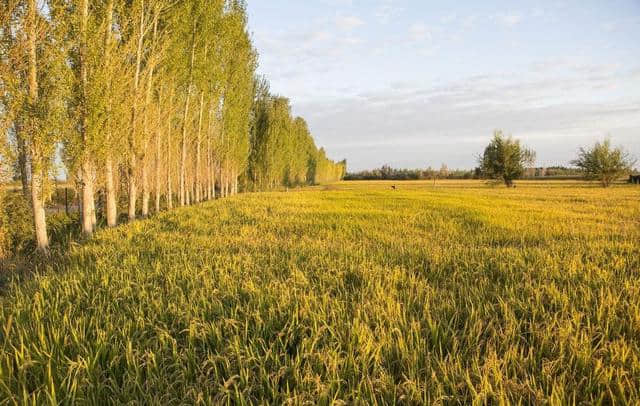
{"points": [[417, 83]]}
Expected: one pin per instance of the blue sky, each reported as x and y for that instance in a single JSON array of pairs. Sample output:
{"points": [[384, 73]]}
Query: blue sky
{"points": [[420, 83]]}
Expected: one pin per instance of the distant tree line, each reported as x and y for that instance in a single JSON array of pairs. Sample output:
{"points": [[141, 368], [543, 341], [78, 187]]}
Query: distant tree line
{"points": [[505, 160], [386, 172], [146, 104]]}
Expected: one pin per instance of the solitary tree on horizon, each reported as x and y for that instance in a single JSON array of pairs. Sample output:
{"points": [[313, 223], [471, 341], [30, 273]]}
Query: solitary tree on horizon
{"points": [[603, 162], [505, 159]]}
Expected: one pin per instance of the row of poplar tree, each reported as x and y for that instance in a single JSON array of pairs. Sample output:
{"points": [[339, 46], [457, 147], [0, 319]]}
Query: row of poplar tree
{"points": [[155, 103]]}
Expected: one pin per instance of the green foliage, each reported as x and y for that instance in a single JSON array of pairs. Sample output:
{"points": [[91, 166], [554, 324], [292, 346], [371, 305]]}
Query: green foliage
{"points": [[603, 162], [16, 226], [505, 159], [356, 295], [283, 152]]}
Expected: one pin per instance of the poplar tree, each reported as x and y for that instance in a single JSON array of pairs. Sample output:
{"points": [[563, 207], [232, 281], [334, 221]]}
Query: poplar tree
{"points": [[147, 98]]}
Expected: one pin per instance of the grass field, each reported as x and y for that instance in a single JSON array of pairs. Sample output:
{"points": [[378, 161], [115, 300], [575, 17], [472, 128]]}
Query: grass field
{"points": [[348, 293]]}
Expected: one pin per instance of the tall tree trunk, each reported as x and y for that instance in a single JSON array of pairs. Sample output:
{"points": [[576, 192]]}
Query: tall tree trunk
{"points": [[208, 169], [157, 168], [23, 161], [134, 116], [88, 203], [146, 191], [39, 216], [213, 183], [188, 194], [169, 185], [198, 182], [226, 183], [111, 207], [185, 114], [87, 197], [133, 189], [37, 174], [146, 194], [235, 182]]}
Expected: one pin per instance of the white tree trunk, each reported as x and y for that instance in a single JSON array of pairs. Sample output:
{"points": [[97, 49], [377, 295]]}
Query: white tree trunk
{"points": [[157, 167], [133, 189], [37, 179], [111, 206], [146, 195], [198, 182], [87, 198], [39, 217], [183, 160]]}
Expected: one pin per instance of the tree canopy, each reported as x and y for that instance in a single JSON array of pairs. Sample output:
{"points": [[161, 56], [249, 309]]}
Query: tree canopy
{"points": [[604, 162], [504, 159], [143, 101]]}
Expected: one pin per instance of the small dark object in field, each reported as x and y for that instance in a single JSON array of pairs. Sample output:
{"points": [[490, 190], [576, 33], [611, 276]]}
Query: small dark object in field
{"points": [[393, 187]]}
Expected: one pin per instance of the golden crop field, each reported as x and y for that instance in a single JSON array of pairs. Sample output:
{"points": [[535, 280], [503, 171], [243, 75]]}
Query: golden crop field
{"points": [[351, 293]]}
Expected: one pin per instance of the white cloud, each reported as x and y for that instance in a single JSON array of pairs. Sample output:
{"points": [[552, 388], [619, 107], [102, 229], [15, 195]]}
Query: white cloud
{"points": [[348, 23], [415, 125], [386, 10], [508, 20], [420, 32]]}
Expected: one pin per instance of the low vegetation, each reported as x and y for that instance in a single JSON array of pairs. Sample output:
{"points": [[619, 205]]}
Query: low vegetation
{"points": [[346, 293]]}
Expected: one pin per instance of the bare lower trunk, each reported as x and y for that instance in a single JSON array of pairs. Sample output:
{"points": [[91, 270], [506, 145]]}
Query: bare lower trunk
{"points": [[223, 184], [209, 171], [183, 160], [157, 202], [23, 162], [198, 184], [146, 194], [169, 185], [94, 218], [39, 217], [111, 206], [87, 198], [235, 184], [133, 190], [213, 184]]}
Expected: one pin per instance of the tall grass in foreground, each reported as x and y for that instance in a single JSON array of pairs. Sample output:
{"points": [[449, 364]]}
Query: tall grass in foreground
{"points": [[345, 294]]}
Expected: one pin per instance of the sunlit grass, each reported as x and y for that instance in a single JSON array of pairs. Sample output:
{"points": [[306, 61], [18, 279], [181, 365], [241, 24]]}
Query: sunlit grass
{"points": [[354, 293]]}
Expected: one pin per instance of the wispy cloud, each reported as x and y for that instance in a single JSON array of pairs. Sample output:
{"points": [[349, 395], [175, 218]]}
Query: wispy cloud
{"points": [[508, 20], [420, 32], [419, 123], [348, 22], [386, 10]]}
